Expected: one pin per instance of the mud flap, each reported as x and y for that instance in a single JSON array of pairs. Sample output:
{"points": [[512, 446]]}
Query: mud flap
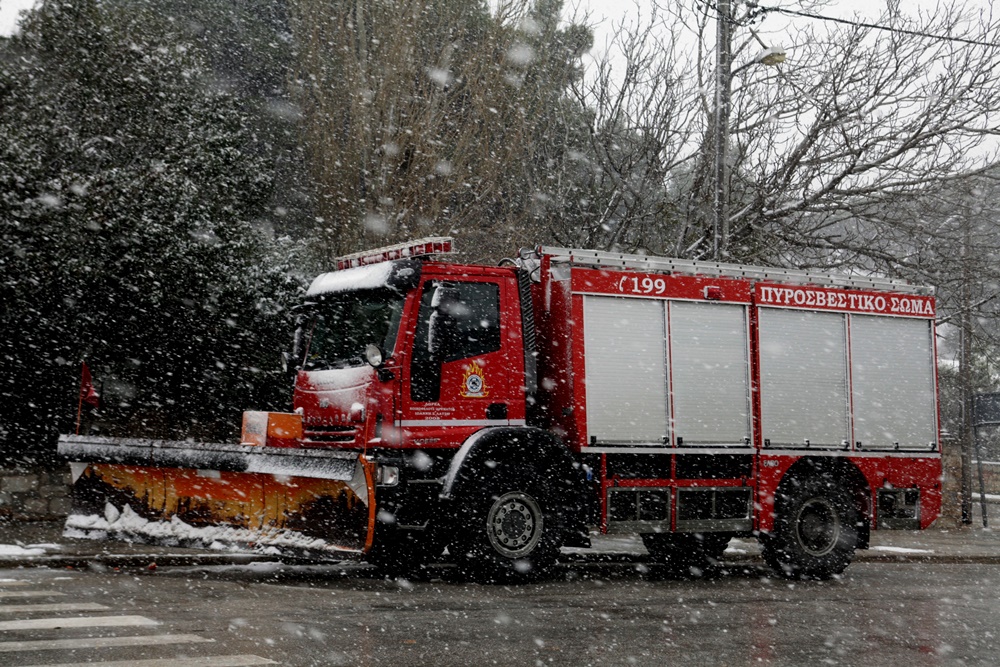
{"points": [[331, 514]]}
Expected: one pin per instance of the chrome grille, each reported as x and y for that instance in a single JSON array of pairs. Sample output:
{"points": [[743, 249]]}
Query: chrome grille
{"points": [[329, 435]]}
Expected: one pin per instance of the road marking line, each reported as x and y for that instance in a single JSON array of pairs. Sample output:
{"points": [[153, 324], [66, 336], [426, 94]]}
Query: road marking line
{"points": [[76, 622], [51, 606], [206, 661], [98, 642], [30, 594], [13, 582]]}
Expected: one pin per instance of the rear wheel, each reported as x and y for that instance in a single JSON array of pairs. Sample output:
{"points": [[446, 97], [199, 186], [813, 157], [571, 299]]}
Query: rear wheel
{"points": [[510, 532], [815, 531]]}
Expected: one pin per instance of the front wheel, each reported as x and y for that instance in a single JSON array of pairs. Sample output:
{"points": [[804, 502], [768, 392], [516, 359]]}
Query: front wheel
{"points": [[815, 531], [509, 534], [514, 525]]}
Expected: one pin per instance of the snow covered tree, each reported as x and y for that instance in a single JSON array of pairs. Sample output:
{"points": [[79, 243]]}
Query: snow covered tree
{"points": [[248, 53], [127, 195]]}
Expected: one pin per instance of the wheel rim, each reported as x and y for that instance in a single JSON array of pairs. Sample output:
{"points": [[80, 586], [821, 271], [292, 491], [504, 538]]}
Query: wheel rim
{"points": [[817, 527], [514, 524]]}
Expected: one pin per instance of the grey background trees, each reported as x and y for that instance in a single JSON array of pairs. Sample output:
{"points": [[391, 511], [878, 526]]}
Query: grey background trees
{"points": [[437, 117]]}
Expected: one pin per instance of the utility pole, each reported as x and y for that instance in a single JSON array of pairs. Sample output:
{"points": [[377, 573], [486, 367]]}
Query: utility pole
{"points": [[723, 82], [967, 430]]}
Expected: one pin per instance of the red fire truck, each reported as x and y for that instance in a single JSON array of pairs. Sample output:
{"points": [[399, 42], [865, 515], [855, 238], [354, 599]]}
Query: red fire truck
{"points": [[504, 412]]}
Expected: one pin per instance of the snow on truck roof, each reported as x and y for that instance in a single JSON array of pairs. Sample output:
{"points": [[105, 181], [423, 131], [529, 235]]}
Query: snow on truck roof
{"points": [[362, 277]]}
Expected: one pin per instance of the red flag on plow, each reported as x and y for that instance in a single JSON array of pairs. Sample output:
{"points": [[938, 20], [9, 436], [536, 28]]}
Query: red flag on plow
{"points": [[88, 395]]}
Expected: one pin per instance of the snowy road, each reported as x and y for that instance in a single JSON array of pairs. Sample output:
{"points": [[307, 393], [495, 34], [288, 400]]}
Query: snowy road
{"points": [[880, 614]]}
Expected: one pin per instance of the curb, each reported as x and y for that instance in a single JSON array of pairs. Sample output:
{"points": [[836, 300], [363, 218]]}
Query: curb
{"points": [[149, 560], [153, 561], [947, 559], [79, 556]]}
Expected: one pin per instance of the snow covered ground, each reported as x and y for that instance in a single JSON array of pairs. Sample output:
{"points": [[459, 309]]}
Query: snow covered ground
{"points": [[28, 549]]}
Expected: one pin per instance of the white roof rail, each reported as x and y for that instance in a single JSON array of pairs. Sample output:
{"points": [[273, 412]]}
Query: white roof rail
{"points": [[615, 260]]}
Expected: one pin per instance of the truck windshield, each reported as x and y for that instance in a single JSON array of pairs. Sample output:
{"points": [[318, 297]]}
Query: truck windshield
{"points": [[338, 328]]}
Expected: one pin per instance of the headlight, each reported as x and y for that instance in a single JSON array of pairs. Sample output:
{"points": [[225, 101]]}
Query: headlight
{"points": [[373, 355]]}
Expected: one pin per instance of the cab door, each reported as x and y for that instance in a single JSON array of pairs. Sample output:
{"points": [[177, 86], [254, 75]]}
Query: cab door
{"points": [[461, 376]]}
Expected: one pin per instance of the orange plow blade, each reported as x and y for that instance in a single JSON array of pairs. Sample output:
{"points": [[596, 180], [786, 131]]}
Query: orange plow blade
{"points": [[305, 502]]}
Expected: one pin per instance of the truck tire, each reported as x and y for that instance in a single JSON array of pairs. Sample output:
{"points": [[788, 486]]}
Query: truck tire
{"points": [[507, 531], [686, 554], [815, 530]]}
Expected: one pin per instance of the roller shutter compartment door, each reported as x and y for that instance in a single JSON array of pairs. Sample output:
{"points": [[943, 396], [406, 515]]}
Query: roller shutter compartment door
{"points": [[803, 377], [893, 382], [709, 373], [625, 350]]}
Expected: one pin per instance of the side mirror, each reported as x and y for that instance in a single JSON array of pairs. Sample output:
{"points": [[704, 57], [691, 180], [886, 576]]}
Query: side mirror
{"points": [[291, 360]]}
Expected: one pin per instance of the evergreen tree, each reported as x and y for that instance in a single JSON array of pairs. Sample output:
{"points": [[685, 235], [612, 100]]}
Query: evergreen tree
{"points": [[248, 52], [127, 195]]}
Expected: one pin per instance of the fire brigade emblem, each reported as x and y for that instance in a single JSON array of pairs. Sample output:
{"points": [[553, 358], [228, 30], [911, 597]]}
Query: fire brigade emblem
{"points": [[474, 382]]}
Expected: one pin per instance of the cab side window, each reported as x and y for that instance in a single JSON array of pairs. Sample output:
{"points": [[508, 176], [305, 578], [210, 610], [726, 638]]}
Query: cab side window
{"points": [[474, 331]]}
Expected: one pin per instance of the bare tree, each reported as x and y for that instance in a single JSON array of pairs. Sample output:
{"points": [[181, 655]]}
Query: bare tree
{"points": [[857, 120], [644, 129]]}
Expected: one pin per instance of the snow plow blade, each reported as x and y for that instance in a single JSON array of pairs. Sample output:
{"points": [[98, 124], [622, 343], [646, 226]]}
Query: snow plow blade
{"points": [[276, 500]]}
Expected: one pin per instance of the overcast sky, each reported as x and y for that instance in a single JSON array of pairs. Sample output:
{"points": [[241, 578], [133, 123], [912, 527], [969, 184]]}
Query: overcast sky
{"points": [[611, 10], [606, 12], [8, 13]]}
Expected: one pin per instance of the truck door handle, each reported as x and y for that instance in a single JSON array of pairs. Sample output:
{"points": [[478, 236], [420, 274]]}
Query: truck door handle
{"points": [[496, 411]]}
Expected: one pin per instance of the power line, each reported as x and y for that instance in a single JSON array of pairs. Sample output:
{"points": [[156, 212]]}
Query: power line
{"points": [[875, 26]]}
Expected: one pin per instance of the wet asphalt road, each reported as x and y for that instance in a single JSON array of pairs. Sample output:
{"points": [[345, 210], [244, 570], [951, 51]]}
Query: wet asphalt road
{"points": [[877, 614]]}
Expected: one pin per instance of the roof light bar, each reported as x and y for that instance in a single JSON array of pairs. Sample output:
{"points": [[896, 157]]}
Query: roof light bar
{"points": [[434, 245]]}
